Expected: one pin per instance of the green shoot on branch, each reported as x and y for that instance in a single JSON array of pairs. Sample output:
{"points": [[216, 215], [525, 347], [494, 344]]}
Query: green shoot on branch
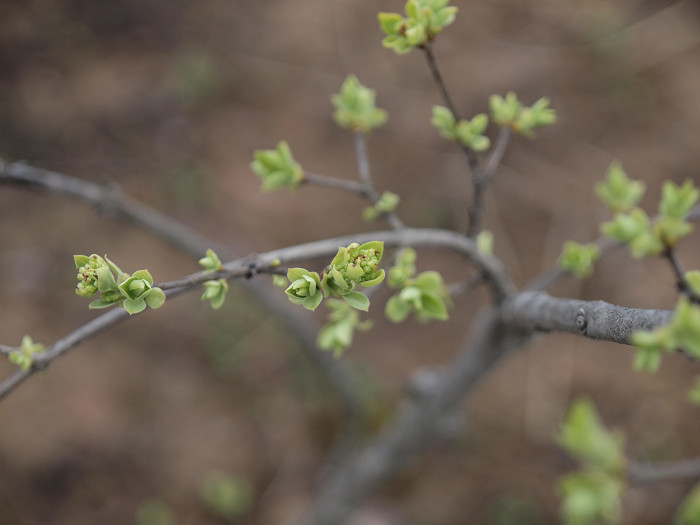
{"points": [[276, 168], [578, 259], [425, 294], [618, 192], [214, 290], [133, 292], [23, 357], [509, 112], [338, 333], [386, 204], [423, 21], [592, 494], [469, 133], [355, 108]]}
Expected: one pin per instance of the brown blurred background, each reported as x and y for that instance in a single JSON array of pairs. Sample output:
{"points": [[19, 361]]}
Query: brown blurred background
{"points": [[170, 98]]}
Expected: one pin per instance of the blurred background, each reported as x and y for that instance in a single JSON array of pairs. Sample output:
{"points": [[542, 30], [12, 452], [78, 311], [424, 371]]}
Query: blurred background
{"points": [[170, 98]]}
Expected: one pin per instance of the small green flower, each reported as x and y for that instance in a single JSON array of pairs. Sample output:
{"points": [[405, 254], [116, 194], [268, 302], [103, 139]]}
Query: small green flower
{"points": [[305, 288], [215, 292], [355, 107], [355, 264], [578, 258], [277, 168], [23, 357], [424, 20]]}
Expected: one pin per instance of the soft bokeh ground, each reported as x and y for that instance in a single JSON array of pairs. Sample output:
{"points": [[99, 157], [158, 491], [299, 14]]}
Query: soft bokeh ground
{"points": [[169, 99]]}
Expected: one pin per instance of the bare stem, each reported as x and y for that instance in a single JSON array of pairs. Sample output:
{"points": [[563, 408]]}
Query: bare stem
{"points": [[366, 177], [4, 349], [652, 472], [333, 182], [679, 273]]}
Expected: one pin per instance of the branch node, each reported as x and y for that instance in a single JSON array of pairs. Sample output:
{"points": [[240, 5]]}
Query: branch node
{"points": [[582, 321]]}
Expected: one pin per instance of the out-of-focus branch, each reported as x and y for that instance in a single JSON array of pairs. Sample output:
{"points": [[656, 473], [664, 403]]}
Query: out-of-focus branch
{"points": [[554, 275], [652, 472], [593, 319], [416, 426], [333, 182], [366, 178]]}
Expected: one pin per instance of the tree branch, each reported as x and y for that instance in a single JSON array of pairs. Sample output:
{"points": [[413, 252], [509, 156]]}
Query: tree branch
{"points": [[652, 472], [110, 198], [333, 182], [366, 178], [592, 319]]}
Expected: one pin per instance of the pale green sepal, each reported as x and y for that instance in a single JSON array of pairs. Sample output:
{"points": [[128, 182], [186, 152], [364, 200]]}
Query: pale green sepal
{"points": [[102, 303], [312, 302]]}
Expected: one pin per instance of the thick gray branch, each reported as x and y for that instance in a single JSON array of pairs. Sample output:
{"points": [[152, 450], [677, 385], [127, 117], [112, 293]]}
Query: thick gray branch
{"points": [[594, 319]]}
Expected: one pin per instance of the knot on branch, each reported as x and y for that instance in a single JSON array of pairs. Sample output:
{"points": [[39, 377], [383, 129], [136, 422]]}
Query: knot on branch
{"points": [[582, 321]]}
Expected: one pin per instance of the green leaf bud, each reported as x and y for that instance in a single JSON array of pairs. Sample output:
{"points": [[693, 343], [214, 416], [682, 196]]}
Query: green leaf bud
{"points": [[670, 229], [509, 112], [211, 261], [685, 326], [484, 243], [404, 268], [355, 107], [590, 497], [276, 168], [583, 436], [23, 357], [689, 510], [424, 20], [693, 279], [305, 288], [338, 334], [618, 192], [694, 394], [215, 292], [578, 258], [677, 201]]}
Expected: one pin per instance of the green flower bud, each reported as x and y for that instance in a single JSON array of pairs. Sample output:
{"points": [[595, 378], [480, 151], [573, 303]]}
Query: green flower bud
{"points": [[578, 258], [23, 357], [276, 168], [424, 20]]}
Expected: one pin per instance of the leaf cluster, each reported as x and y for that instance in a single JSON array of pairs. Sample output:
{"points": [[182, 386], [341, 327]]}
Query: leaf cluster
{"points": [[509, 112], [276, 168], [355, 107], [425, 294], [591, 494], [469, 133], [133, 292], [424, 20]]}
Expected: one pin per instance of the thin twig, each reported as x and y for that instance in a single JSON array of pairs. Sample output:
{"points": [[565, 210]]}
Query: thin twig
{"points": [[366, 177], [679, 273], [476, 210], [333, 182], [109, 198], [550, 277], [652, 472]]}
